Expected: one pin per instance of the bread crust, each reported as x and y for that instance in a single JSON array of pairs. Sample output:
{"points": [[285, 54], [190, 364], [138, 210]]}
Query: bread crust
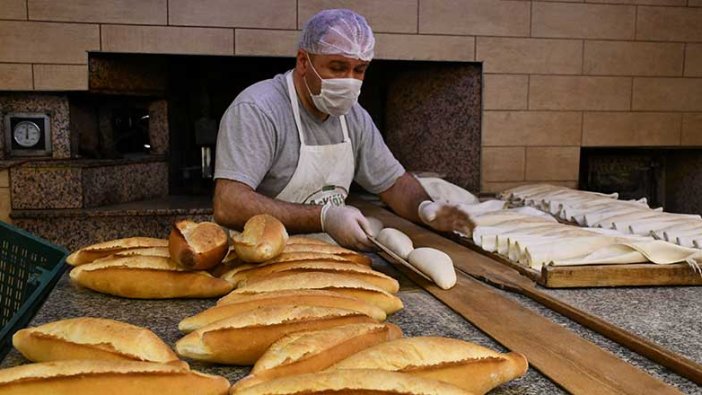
{"points": [[351, 255], [314, 351], [243, 303], [360, 381], [327, 281], [148, 278], [95, 251], [253, 274], [92, 338], [76, 377], [197, 246], [242, 339], [263, 238]]}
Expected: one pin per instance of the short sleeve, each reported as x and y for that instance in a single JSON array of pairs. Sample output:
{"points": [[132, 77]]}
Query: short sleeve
{"points": [[377, 169], [245, 144]]}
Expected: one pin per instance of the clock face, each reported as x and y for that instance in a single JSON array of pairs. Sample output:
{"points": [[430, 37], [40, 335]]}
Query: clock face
{"points": [[26, 134]]}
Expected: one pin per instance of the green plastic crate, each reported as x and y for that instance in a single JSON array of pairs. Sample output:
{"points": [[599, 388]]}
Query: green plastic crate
{"points": [[29, 268]]}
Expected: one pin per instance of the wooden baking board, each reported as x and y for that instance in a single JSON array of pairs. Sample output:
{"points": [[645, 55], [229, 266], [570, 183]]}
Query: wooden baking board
{"points": [[583, 276]]}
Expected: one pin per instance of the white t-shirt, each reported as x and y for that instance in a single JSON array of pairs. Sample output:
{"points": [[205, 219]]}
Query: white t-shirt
{"points": [[258, 143]]}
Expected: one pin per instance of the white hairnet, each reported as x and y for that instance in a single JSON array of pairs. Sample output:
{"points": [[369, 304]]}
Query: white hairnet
{"points": [[338, 32]]}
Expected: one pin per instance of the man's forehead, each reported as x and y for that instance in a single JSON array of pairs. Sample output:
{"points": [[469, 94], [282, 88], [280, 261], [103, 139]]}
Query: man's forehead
{"points": [[339, 58]]}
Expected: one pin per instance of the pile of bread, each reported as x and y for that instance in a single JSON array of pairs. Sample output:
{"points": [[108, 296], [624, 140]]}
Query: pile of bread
{"points": [[309, 316]]}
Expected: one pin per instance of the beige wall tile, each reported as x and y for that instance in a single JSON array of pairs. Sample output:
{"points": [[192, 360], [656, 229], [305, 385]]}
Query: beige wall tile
{"points": [[530, 56], [505, 92], [502, 163], [39, 42], [4, 178], [667, 94], [417, 47], [170, 40], [495, 187], [583, 21], [15, 77], [387, 16], [632, 58], [270, 14], [13, 9], [611, 129], [579, 93], [641, 2], [694, 3], [542, 128], [474, 17], [265, 42], [5, 205], [53, 77], [693, 60], [552, 163], [145, 12], [669, 24], [692, 129]]}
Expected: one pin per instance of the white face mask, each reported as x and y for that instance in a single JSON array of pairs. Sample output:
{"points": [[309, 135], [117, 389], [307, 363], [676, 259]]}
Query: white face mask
{"points": [[337, 96]]}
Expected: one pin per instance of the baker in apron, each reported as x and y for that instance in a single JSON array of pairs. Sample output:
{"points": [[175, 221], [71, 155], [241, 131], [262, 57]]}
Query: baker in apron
{"points": [[256, 133]]}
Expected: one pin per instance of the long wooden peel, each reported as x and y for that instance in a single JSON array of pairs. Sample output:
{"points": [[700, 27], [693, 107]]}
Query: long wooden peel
{"points": [[576, 364]]}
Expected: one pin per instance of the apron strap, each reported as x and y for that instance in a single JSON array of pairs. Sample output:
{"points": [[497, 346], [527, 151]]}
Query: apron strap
{"points": [[344, 127], [295, 106]]}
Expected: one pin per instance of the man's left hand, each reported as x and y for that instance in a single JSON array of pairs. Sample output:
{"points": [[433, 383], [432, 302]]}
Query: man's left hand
{"points": [[445, 216]]}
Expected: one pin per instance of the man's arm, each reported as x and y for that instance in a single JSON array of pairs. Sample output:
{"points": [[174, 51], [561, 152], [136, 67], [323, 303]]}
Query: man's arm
{"points": [[235, 202], [404, 197]]}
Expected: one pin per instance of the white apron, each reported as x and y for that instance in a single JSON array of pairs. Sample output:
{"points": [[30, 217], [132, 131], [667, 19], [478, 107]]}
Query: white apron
{"points": [[324, 172]]}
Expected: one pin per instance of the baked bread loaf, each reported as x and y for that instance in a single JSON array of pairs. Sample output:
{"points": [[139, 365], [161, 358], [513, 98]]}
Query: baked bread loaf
{"points": [[197, 246], [148, 277], [143, 251], [299, 239], [313, 351], [99, 250], [310, 256], [330, 282], [230, 306], [243, 338], [362, 381], [474, 368], [251, 274], [329, 249], [92, 338], [88, 377], [263, 238]]}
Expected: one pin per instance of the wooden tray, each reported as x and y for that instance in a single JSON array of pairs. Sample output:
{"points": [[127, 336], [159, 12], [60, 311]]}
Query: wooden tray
{"points": [[640, 274]]}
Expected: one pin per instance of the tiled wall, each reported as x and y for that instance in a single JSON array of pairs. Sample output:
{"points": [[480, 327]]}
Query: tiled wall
{"points": [[558, 74]]}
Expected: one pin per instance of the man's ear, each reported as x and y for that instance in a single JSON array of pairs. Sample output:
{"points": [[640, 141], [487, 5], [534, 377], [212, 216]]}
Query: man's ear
{"points": [[301, 62]]}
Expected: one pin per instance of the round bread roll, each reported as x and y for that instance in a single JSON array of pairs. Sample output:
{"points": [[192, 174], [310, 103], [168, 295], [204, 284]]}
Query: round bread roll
{"points": [[474, 368], [351, 382], [396, 241], [435, 264], [263, 238], [92, 338], [197, 246], [78, 377], [243, 338], [313, 351]]}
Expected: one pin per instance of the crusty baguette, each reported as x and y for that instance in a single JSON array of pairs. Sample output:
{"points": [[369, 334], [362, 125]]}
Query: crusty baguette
{"points": [[263, 238], [313, 351], [99, 250], [253, 274], [472, 367], [243, 338], [310, 256], [300, 239], [92, 338], [141, 251], [197, 245], [88, 377], [330, 282], [148, 277], [329, 249], [360, 381], [236, 304]]}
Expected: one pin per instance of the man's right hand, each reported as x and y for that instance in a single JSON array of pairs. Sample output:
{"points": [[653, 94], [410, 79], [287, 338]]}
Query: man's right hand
{"points": [[348, 226]]}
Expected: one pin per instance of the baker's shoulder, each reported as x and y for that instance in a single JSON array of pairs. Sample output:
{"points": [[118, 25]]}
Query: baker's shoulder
{"points": [[267, 95]]}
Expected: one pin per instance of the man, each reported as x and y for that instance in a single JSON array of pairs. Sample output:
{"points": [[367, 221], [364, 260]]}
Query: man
{"points": [[291, 146]]}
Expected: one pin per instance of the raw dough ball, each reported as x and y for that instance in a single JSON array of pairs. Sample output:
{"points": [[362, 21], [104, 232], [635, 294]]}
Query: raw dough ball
{"points": [[376, 226], [397, 241], [435, 264]]}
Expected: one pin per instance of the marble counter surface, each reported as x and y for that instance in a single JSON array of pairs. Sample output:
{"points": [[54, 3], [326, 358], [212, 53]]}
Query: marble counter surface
{"points": [[669, 316]]}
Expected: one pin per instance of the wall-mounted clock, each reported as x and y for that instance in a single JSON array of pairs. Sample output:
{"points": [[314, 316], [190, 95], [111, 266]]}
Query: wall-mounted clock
{"points": [[27, 134]]}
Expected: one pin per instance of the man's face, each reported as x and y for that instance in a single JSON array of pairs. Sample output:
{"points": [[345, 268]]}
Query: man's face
{"points": [[333, 66]]}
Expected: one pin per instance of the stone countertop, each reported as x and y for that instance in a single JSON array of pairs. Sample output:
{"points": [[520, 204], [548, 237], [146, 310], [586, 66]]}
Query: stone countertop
{"points": [[669, 316]]}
